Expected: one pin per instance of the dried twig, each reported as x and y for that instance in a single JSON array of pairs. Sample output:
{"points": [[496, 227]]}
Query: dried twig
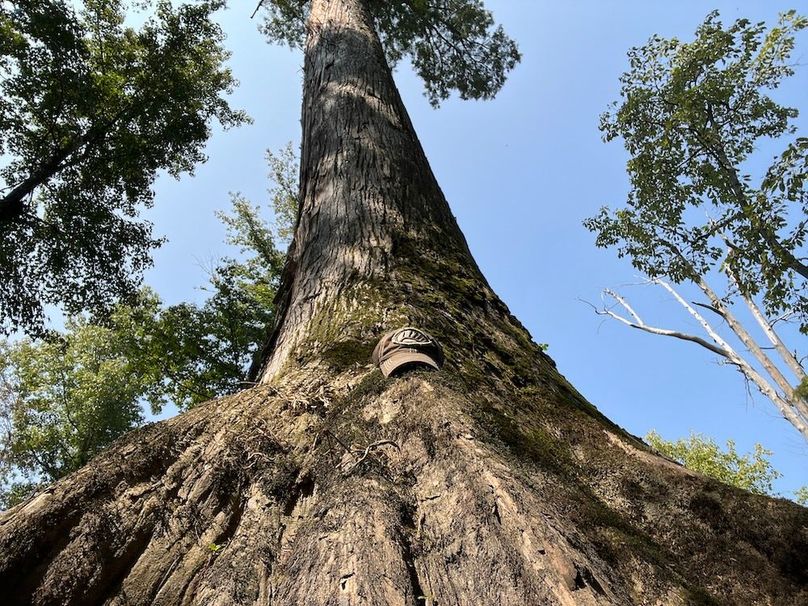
{"points": [[792, 409], [365, 453], [637, 322]]}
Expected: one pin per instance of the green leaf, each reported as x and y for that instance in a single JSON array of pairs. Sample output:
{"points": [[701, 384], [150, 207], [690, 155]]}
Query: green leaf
{"points": [[691, 115], [91, 110], [751, 471]]}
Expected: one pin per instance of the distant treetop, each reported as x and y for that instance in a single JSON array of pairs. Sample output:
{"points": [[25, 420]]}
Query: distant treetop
{"points": [[452, 44]]}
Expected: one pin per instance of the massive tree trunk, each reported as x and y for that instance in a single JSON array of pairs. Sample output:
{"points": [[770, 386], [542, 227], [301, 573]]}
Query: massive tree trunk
{"points": [[490, 482]]}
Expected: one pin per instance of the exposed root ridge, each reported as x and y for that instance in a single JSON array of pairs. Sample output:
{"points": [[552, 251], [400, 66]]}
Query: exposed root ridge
{"points": [[237, 504]]}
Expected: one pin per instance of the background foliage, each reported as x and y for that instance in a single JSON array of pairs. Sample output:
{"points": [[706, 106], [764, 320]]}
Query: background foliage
{"points": [[752, 471], [64, 399], [91, 110], [453, 45]]}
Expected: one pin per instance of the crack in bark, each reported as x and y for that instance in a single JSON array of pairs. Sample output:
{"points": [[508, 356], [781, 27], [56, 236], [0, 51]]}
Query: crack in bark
{"points": [[115, 573], [407, 533], [584, 578], [343, 580], [303, 489]]}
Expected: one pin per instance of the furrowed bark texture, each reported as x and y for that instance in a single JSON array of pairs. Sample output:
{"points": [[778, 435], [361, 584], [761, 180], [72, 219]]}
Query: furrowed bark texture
{"points": [[500, 489], [372, 214], [490, 482]]}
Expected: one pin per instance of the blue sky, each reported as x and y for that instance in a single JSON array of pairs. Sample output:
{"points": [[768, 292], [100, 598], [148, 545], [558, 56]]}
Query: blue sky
{"points": [[521, 172]]}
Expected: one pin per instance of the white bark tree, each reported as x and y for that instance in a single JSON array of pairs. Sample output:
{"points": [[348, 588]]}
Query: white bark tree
{"points": [[784, 394], [691, 116]]}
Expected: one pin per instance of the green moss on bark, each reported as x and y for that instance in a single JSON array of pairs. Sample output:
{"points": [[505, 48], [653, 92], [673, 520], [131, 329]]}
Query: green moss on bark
{"points": [[342, 355]]}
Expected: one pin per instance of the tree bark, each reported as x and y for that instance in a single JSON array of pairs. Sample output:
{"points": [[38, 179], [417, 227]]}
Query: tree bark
{"points": [[787, 396], [372, 215], [12, 205], [490, 482]]}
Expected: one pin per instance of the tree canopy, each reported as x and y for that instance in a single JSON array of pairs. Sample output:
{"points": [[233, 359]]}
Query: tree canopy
{"points": [[454, 45], [751, 471], [691, 116], [64, 399], [91, 109]]}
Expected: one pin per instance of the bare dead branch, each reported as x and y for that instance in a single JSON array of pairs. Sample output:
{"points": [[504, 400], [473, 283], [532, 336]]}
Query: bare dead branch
{"points": [[787, 405], [257, 8], [638, 323]]}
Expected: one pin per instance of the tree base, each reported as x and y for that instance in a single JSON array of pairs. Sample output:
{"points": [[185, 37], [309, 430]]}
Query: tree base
{"points": [[404, 491]]}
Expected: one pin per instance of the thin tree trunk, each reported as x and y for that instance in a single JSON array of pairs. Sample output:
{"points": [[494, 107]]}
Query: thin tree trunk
{"points": [[490, 482], [787, 356], [787, 400], [765, 231], [12, 205], [793, 408]]}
